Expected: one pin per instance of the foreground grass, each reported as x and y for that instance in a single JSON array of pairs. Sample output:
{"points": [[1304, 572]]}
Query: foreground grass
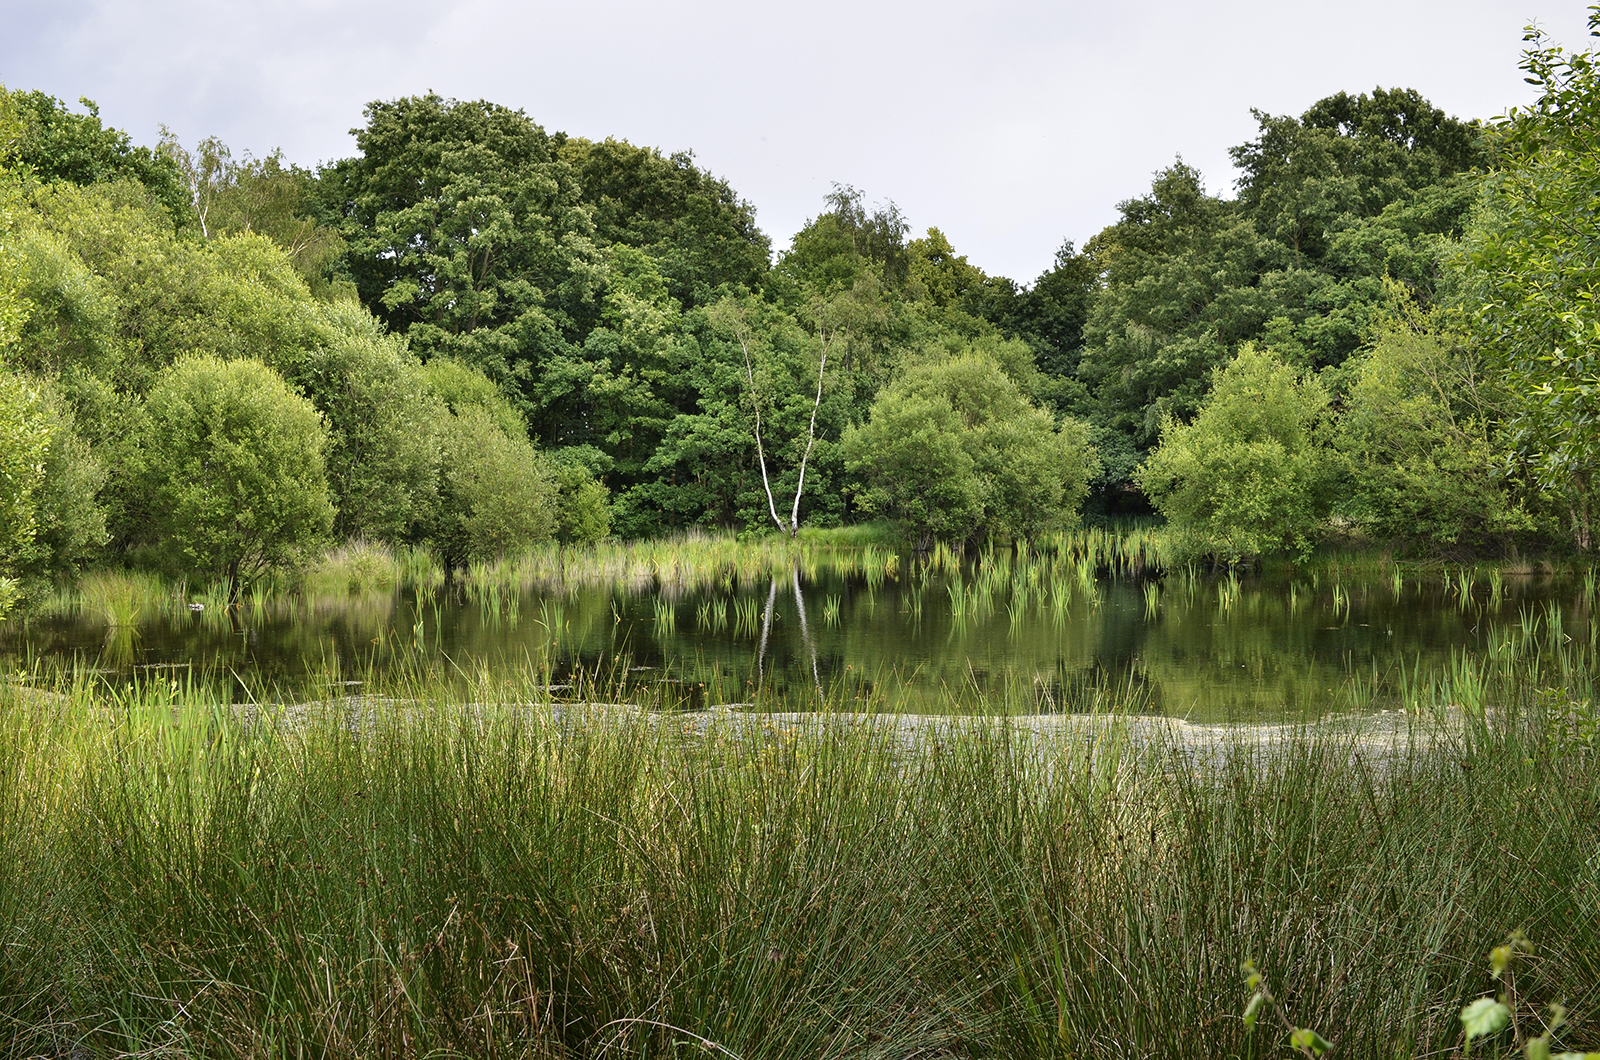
{"points": [[436, 878]]}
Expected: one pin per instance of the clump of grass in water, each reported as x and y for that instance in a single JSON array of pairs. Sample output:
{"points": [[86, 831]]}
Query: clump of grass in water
{"points": [[356, 569], [121, 598]]}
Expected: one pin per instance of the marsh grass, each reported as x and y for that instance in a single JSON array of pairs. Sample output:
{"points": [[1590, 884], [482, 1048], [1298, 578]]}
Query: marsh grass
{"points": [[450, 870]]}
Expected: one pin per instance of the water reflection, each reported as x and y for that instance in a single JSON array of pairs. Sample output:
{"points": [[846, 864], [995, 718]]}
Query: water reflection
{"points": [[900, 635]]}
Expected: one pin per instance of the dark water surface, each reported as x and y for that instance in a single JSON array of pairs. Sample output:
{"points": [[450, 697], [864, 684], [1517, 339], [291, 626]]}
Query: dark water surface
{"points": [[1202, 647]]}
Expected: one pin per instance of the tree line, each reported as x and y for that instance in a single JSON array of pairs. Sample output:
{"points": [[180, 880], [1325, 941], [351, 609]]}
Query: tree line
{"points": [[475, 334]]}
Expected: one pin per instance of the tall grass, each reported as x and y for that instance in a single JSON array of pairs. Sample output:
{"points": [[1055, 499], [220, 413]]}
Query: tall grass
{"points": [[472, 873]]}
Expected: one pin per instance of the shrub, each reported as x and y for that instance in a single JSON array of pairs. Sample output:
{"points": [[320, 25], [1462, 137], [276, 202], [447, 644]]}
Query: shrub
{"points": [[953, 450], [496, 493], [1248, 477], [235, 465]]}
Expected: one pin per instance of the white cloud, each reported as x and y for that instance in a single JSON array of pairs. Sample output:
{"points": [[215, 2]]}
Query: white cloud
{"points": [[1011, 126]]}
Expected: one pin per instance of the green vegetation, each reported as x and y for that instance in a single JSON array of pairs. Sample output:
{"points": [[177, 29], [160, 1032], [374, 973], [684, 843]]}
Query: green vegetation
{"points": [[479, 871], [235, 465], [1248, 476], [480, 358], [514, 335], [953, 446]]}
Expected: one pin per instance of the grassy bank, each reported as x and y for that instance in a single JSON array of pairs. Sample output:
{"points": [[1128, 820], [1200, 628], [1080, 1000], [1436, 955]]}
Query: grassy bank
{"points": [[181, 878]]}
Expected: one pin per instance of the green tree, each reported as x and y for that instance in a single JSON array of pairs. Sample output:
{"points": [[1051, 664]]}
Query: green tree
{"points": [[696, 229], [383, 419], [1357, 188], [497, 494], [259, 195], [1533, 274], [56, 145], [1249, 476], [1419, 440], [583, 507], [235, 468], [70, 520], [953, 449], [1181, 291], [467, 233], [24, 447]]}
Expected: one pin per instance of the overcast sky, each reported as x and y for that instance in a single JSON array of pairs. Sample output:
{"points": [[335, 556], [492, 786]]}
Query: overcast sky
{"points": [[1011, 126]]}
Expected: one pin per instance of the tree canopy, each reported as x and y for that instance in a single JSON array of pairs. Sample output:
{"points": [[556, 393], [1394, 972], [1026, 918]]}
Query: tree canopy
{"points": [[507, 334]]}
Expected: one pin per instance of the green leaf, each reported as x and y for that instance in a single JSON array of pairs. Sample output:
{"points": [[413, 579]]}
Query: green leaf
{"points": [[1484, 1016], [1252, 1011], [1537, 1048], [1499, 958], [1306, 1038]]}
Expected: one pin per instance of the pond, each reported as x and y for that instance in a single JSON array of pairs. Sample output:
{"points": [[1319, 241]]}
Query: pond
{"points": [[861, 630]]}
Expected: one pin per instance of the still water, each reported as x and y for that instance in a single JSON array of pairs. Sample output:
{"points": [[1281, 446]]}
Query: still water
{"points": [[907, 636]]}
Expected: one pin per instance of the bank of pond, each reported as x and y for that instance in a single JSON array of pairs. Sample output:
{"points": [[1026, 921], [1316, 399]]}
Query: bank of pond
{"points": [[812, 798], [466, 869]]}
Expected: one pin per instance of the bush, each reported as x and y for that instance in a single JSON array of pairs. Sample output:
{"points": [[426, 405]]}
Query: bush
{"points": [[24, 444], [383, 422], [583, 513], [953, 450], [1248, 477], [1416, 441], [496, 493], [235, 466], [71, 522]]}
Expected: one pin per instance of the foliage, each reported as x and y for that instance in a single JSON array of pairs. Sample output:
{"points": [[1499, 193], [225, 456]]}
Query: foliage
{"points": [[466, 233], [695, 228], [496, 493], [260, 195], [583, 513], [1418, 438], [70, 519], [383, 419], [1248, 477], [24, 448], [1533, 262], [57, 145], [953, 449], [235, 468], [1356, 189]]}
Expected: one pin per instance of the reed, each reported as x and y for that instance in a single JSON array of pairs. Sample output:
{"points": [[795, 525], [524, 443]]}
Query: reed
{"points": [[477, 871]]}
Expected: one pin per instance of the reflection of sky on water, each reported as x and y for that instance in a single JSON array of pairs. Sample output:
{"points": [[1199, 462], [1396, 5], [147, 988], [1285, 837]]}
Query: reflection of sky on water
{"points": [[1195, 647]]}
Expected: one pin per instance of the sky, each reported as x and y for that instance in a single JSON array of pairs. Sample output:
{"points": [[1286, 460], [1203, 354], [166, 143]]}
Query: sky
{"points": [[1011, 126]]}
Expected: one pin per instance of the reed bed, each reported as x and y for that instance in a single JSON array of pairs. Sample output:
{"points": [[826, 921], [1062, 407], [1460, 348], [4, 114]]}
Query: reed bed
{"points": [[445, 871]]}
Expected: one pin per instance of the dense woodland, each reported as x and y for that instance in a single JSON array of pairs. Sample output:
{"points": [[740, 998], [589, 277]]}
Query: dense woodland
{"points": [[476, 334]]}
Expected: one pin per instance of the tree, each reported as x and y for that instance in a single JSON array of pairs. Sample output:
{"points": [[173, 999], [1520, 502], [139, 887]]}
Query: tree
{"points": [[383, 419], [259, 195], [1419, 441], [70, 521], [1248, 477], [698, 231], [24, 446], [1533, 272], [497, 494], [56, 145], [467, 233], [1181, 270], [235, 466], [953, 449], [1357, 188], [731, 316]]}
